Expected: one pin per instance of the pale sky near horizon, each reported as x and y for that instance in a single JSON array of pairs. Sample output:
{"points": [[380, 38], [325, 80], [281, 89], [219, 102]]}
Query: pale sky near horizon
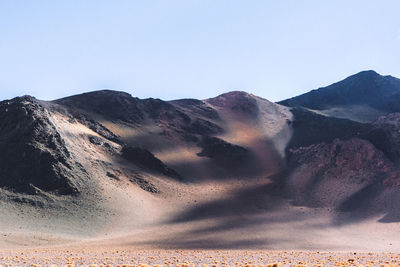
{"points": [[173, 49]]}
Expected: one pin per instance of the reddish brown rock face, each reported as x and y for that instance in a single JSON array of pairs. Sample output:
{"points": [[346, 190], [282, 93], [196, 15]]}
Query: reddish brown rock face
{"points": [[329, 174], [385, 134]]}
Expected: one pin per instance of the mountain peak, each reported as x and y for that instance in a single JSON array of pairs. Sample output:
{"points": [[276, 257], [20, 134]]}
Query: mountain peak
{"points": [[366, 88], [117, 105], [367, 73], [363, 75]]}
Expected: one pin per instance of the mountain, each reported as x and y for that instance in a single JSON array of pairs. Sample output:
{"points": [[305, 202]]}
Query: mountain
{"points": [[74, 165], [233, 171], [362, 97]]}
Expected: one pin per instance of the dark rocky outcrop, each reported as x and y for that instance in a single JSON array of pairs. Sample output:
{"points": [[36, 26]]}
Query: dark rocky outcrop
{"points": [[224, 154], [33, 155], [147, 160], [97, 127]]}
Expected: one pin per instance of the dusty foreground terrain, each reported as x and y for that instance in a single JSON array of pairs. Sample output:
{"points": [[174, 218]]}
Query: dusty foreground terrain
{"points": [[121, 257]]}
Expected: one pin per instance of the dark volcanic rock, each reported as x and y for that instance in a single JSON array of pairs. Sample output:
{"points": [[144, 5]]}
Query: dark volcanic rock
{"points": [[144, 184], [146, 159], [97, 128], [224, 154], [33, 155]]}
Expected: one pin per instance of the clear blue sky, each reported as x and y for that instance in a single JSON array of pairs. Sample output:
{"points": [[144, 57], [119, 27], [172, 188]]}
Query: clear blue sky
{"points": [[192, 48]]}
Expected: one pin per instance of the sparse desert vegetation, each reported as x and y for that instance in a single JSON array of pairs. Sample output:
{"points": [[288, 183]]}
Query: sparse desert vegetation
{"points": [[186, 258]]}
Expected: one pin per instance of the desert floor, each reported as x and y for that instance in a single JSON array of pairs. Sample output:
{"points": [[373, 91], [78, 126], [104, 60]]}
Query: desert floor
{"points": [[123, 257]]}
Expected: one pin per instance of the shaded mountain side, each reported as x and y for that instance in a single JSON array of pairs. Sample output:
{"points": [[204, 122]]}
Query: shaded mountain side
{"points": [[384, 133], [225, 154], [312, 128], [235, 160], [33, 155], [365, 88]]}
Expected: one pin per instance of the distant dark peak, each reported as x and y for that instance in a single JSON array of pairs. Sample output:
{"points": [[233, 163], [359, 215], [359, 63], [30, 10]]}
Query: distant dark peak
{"points": [[367, 88], [366, 74]]}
